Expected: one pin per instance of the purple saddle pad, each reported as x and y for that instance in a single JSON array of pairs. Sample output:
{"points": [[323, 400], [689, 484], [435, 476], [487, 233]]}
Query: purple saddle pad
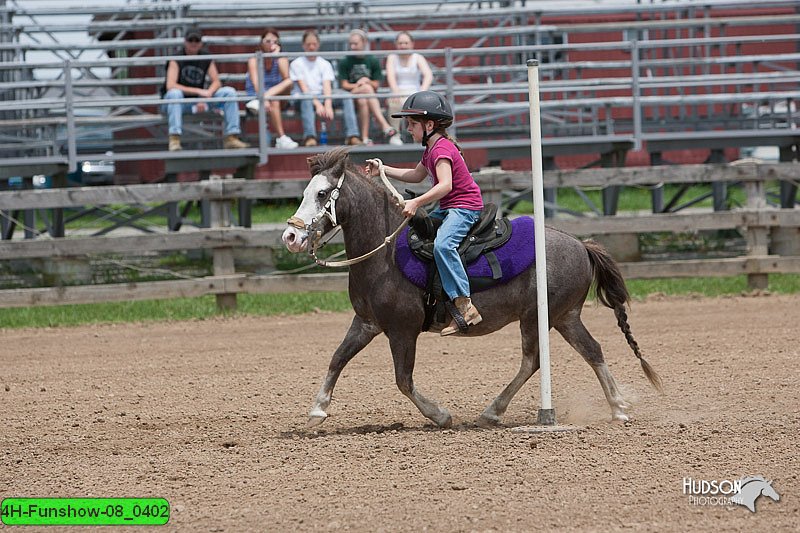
{"points": [[515, 256]]}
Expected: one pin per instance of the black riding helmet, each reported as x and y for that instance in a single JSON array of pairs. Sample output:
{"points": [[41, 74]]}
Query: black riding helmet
{"points": [[427, 105]]}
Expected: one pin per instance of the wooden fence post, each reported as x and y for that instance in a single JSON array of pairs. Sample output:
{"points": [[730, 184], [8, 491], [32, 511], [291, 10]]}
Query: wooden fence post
{"points": [[246, 172], [220, 211], [491, 190], [59, 180], [757, 236]]}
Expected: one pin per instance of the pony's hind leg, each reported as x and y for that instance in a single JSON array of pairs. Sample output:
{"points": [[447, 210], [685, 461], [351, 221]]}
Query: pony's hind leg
{"points": [[358, 336], [530, 364], [576, 334], [404, 348]]}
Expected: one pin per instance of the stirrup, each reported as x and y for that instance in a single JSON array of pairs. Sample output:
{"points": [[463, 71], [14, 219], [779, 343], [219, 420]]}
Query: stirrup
{"points": [[458, 318]]}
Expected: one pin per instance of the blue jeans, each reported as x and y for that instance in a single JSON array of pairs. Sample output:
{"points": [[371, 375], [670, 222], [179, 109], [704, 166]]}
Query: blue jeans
{"points": [[309, 116], [230, 110], [456, 225]]}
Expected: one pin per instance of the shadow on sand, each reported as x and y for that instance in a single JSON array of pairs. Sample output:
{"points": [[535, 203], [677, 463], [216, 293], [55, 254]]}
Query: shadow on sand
{"points": [[377, 429]]}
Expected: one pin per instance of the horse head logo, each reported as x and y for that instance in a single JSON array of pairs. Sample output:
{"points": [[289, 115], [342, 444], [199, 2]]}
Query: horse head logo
{"points": [[752, 488]]}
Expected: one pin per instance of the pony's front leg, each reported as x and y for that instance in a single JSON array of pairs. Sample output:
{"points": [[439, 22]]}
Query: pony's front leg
{"points": [[404, 349], [358, 336]]}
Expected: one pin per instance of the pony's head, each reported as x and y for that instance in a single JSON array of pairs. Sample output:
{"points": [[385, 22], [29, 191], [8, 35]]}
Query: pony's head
{"points": [[770, 492], [752, 488], [317, 214]]}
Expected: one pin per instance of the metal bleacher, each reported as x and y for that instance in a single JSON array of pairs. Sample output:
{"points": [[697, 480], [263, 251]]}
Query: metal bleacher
{"points": [[618, 77]]}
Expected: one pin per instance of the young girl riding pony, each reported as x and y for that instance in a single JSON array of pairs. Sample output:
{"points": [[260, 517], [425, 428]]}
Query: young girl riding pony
{"points": [[460, 203]]}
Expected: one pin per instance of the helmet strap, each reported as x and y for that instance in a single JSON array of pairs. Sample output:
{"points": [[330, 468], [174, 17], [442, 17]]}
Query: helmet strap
{"points": [[425, 135]]}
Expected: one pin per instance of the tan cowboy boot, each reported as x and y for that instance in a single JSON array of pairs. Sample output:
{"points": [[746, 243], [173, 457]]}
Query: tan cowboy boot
{"points": [[468, 311], [175, 143], [233, 142]]}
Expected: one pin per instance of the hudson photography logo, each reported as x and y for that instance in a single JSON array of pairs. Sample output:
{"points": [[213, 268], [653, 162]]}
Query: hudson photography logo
{"points": [[729, 492]]}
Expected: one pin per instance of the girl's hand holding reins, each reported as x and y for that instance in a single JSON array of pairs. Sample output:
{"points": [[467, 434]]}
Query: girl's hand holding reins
{"points": [[410, 208], [373, 167]]}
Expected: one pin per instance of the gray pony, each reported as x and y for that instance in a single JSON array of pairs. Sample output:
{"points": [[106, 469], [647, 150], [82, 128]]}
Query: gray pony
{"points": [[384, 301]]}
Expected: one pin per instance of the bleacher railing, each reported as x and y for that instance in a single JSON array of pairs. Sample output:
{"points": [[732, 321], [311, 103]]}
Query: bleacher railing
{"points": [[663, 75], [644, 88]]}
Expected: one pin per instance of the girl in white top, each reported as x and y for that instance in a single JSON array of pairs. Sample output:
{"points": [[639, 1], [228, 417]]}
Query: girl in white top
{"points": [[406, 73]]}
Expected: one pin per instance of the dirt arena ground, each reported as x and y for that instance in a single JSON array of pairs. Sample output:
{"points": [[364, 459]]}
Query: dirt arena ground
{"points": [[211, 415]]}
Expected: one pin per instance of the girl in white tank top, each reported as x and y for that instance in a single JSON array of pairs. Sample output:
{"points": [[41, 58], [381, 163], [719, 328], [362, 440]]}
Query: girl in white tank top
{"points": [[406, 74]]}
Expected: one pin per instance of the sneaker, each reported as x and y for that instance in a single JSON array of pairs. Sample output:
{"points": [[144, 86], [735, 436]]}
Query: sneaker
{"points": [[175, 143], [367, 142], [310, 141], [252, 106], [393, 137], [286, 142], [232, 142]]}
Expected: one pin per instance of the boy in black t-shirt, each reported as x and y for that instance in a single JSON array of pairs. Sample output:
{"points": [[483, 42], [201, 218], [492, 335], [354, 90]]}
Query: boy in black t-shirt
{"points": [[187, 79]]}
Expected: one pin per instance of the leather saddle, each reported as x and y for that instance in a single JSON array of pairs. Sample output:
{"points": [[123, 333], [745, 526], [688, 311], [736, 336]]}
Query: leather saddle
{"points": [[488, 233]]}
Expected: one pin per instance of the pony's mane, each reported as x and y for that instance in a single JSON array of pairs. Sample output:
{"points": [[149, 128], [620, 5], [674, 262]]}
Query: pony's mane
{"points": [[333, 162]]}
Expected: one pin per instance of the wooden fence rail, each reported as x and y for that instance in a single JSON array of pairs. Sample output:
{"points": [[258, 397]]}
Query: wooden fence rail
{"points": [[757, 220]]}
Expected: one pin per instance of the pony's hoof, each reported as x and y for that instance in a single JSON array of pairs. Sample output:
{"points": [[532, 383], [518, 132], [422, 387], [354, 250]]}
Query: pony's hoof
{"points": [[316, 417], [620, 417], [488, 421], [445, 421], [314, 421]]}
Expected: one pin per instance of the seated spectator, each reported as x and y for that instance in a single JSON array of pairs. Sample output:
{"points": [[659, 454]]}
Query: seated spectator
{"points": [[187, 79], [362, 75], [276, 82], [314, 75], [406, 73]]}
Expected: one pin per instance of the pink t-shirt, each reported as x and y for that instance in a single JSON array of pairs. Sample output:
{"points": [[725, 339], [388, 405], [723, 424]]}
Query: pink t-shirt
{"points": [[465, 193]]}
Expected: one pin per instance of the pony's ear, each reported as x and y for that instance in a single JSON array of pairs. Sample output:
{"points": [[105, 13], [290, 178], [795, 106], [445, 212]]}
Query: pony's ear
{"points": [[313, 164], [333, 162], [338, 169], [337, 162]]}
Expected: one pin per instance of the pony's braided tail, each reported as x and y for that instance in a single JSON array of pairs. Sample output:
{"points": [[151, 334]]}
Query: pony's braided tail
{"points": [[612, 292], [649, 371]]}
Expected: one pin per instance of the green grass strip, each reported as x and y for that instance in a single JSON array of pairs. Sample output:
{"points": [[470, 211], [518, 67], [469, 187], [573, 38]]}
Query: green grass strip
{"points": [[292, 304], [165, 310]]}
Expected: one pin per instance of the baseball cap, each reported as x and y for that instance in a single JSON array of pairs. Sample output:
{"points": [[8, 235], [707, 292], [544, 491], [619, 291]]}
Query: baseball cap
{"points": [[193, 34]]}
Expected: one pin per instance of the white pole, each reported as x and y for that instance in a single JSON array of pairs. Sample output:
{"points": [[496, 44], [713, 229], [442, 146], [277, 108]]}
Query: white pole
{"points": [[546, 411]]}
